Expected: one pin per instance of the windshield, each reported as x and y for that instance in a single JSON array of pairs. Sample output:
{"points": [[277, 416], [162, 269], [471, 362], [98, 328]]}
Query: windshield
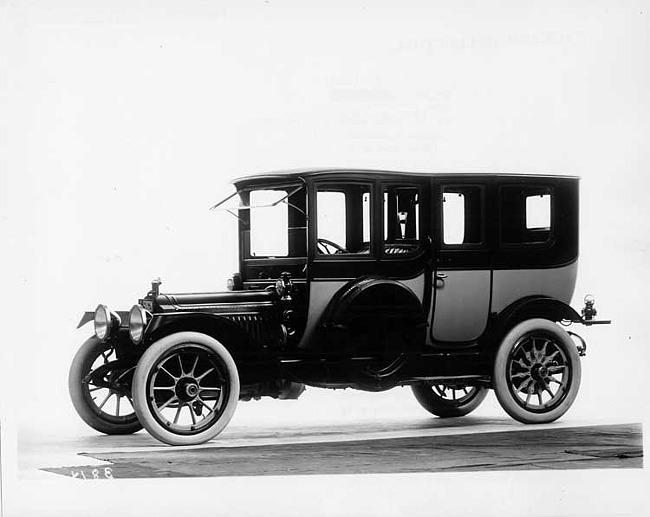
{"points": [[272, 220]]}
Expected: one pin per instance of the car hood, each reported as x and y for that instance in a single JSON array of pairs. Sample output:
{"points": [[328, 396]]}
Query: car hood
{"points": [[206, 300], [197, 301]]}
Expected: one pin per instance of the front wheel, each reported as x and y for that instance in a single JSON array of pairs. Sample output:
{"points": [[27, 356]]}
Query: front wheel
{"points": [[447, 400], [536, 372], [100, 389], [185, 388]]}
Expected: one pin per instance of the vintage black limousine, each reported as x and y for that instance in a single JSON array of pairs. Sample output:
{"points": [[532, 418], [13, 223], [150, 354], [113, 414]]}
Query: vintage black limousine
{"points": [[450, 283]]}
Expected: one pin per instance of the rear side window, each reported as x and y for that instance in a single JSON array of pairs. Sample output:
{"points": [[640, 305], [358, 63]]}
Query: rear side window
{"points": [[538, 212], [526, 214], [462, 215]]}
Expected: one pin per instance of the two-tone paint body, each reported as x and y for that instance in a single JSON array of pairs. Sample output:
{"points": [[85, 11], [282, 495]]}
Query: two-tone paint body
{"points": [[376, 320]]}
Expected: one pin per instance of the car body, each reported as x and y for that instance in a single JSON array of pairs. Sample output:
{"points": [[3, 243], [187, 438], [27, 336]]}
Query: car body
{"points": [[450, 283]]}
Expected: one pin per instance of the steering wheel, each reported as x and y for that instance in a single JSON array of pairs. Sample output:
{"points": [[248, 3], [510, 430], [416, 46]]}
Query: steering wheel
{"points": [[327, 247]]}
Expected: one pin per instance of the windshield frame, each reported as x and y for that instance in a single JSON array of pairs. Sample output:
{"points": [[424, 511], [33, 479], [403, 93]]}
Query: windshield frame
{"points": [[297, 223], [238, 192]]}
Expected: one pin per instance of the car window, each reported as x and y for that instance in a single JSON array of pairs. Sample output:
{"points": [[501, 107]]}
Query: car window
{"points": [[401, 220], [462, 215], [343, 219], [268, 225], [526, 214], [538, 212], [273, 222]]}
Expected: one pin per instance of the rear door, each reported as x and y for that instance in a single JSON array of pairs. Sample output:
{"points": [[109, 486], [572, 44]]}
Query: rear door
{"points": [[462, 276]]}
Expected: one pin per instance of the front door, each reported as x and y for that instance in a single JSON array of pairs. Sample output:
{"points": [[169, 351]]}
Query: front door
{"points": [[462, 276]]}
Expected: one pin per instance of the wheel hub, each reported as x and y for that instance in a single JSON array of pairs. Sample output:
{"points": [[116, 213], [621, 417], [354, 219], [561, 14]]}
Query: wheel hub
{"points": [[187, 389], [539, 372]]}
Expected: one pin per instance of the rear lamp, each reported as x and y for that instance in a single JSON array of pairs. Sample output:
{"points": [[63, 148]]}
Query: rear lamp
{"points": [[589, 310], [137, 323]]}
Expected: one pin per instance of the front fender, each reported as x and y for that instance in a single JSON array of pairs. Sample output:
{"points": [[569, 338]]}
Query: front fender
{"points": [[86, 318], [90, 316]]}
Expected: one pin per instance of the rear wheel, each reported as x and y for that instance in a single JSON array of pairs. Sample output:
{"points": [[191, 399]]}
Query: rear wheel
{"points": [[185, 388], [100, 389], [537, 372], [448, 400]]}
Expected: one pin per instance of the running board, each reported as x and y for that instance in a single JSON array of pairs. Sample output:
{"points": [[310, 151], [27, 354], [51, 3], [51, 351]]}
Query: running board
{"points": [[482, 378]]}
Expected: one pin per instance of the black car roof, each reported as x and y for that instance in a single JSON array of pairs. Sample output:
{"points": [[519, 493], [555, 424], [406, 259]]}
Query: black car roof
{"points": [[297, 174]]}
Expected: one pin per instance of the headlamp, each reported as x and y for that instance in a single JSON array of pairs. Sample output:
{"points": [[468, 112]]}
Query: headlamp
{"points": [[103, 322], [137, 323]]}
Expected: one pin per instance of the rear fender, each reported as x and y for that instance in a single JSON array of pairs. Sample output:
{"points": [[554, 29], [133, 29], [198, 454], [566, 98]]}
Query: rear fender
{"points": [[527, 308]]}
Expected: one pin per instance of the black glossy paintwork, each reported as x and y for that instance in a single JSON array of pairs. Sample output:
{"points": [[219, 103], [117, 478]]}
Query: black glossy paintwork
{"points": [[493, 252], [221, 298], [254, 322], [488, 248]]}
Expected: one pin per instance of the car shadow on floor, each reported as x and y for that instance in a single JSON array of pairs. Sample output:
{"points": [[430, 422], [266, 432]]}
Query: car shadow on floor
{"points": [[563, 448]]}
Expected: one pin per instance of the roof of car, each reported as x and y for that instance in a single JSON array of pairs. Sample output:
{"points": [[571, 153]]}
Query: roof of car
{"points": [[295, 174]]}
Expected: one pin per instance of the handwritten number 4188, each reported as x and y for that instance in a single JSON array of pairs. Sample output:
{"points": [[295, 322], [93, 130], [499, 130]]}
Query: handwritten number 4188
{"points": [[105, 473]]}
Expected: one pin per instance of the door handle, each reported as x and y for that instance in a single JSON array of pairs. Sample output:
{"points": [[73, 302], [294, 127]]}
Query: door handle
{"points": [[440, 280]]}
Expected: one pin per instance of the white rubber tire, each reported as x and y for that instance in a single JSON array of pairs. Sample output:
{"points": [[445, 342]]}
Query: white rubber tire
{"points": [[501, 378], [140, 390], [83, 401], [444, 408]]}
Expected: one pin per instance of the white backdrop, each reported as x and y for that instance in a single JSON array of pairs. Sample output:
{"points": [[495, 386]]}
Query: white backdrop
{"points": [[124, 122]]}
